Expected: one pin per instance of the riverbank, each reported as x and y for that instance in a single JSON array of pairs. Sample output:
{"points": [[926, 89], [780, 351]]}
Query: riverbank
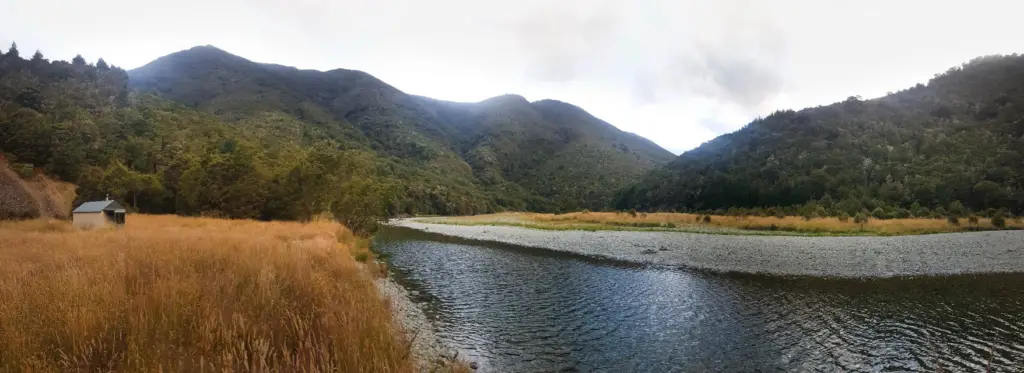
{"points": [[847, 256], [735, 225], [428, 352]]}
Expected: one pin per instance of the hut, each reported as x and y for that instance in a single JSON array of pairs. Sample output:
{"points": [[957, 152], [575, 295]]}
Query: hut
{"points": [[98, 214]]}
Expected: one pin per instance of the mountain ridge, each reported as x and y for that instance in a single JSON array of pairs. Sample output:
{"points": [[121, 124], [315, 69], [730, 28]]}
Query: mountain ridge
{"points": [[478, 142], [953, 144]]}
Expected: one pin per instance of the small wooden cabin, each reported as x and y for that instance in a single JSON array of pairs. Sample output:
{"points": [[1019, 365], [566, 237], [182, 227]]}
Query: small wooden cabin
{"points": [[98, 214]]}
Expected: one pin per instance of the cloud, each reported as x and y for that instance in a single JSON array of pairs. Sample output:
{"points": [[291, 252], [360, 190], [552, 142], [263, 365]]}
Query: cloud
{"points": [[558, 41], [676, 71]]}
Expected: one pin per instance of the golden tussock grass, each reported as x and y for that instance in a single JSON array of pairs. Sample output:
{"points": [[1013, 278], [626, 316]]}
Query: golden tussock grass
{"points": [[181, 294], [729, 224]]}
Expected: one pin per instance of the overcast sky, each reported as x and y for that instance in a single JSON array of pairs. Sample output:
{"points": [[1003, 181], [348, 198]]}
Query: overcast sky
{"points": [[676, 71]]}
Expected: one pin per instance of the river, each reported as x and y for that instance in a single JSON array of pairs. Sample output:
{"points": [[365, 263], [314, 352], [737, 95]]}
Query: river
{"points": [[515, 309]]}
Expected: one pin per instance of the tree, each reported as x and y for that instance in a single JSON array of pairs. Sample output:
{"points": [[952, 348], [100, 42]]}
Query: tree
{"points": [[38, 57], [956, 209], [78, 60], [102, 65], [13, 51], [987, 191]]}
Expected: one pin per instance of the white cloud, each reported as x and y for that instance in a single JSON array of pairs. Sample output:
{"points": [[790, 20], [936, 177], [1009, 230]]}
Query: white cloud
{"points": [[677, 72]]}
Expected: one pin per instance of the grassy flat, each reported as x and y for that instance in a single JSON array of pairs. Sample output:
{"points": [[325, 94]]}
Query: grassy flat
{"points": [[730, 225]]}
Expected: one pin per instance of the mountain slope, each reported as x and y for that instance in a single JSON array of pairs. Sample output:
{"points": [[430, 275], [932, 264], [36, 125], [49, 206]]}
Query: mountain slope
{"points": [[958, 140], [539, 156]]}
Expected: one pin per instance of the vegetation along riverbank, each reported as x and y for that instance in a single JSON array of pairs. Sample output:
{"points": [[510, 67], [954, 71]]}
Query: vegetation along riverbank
{"points": [[183, 294], [735, 224]]}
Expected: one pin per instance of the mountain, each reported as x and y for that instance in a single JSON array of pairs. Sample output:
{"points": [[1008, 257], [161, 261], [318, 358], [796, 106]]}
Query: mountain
{"points": [[204, 132], [545, 155], [957, 141]]}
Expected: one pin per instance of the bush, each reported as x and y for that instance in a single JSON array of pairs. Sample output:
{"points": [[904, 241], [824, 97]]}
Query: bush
{"points": [[999, 219], [956, 208], [860, 218], [707, 218], [878, 213], [632, 212], [952, 219], [973, 219], [23, 169], [821, 211], [902, 213], [844, 217]]}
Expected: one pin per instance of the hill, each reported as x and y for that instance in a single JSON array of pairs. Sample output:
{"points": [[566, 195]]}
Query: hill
{"points": [[507, 147], [951, 146], [204, 132]]}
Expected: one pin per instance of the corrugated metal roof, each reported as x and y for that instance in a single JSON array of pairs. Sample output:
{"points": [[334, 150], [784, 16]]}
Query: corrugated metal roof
{"points": [[93, 206]]}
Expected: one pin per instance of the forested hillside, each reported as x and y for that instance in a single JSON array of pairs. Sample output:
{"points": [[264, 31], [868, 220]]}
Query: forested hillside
{"points": [[948, 147], [514, 151], [206, 132]]}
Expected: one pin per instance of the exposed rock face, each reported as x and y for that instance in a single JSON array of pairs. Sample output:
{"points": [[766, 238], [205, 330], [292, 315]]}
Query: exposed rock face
{"points": [[35, 197]]}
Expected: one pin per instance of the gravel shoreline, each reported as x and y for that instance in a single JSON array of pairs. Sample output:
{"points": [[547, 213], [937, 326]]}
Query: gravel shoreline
{"points": [[857, 256], [428, 351]]}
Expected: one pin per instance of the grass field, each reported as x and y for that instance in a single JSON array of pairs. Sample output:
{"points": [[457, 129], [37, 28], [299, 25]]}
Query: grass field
{"points": [[174, 294], [789, 225]]}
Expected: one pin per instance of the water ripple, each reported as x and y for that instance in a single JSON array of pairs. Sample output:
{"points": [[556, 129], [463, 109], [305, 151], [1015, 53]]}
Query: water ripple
{"points": [[522, 310]]}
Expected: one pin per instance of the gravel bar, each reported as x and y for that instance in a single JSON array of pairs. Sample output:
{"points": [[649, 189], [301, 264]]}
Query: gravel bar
{"points": [[852, 256], [428, 351]]}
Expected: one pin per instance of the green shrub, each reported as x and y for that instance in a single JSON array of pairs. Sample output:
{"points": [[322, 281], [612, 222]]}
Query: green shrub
{"points": [[632, 212], [844, 217], [25, 170], [902, 213], [820, 211], [956, 208], [362, 257], [878, 213], [707, 218], [973, 219], [952, 219]]}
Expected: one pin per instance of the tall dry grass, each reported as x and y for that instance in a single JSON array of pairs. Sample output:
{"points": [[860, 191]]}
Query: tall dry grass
{"points": [[589, 220], [174, 294]]}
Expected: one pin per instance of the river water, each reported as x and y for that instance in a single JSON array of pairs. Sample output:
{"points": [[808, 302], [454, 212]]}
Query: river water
{"points": [[514, 309]]}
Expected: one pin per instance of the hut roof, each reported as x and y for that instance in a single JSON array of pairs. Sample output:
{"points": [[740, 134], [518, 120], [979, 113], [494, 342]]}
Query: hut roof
{"points": [[97, 206]]}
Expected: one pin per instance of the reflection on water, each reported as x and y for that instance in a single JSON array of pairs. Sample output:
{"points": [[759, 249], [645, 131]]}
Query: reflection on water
{"points": [[523, 310]]}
